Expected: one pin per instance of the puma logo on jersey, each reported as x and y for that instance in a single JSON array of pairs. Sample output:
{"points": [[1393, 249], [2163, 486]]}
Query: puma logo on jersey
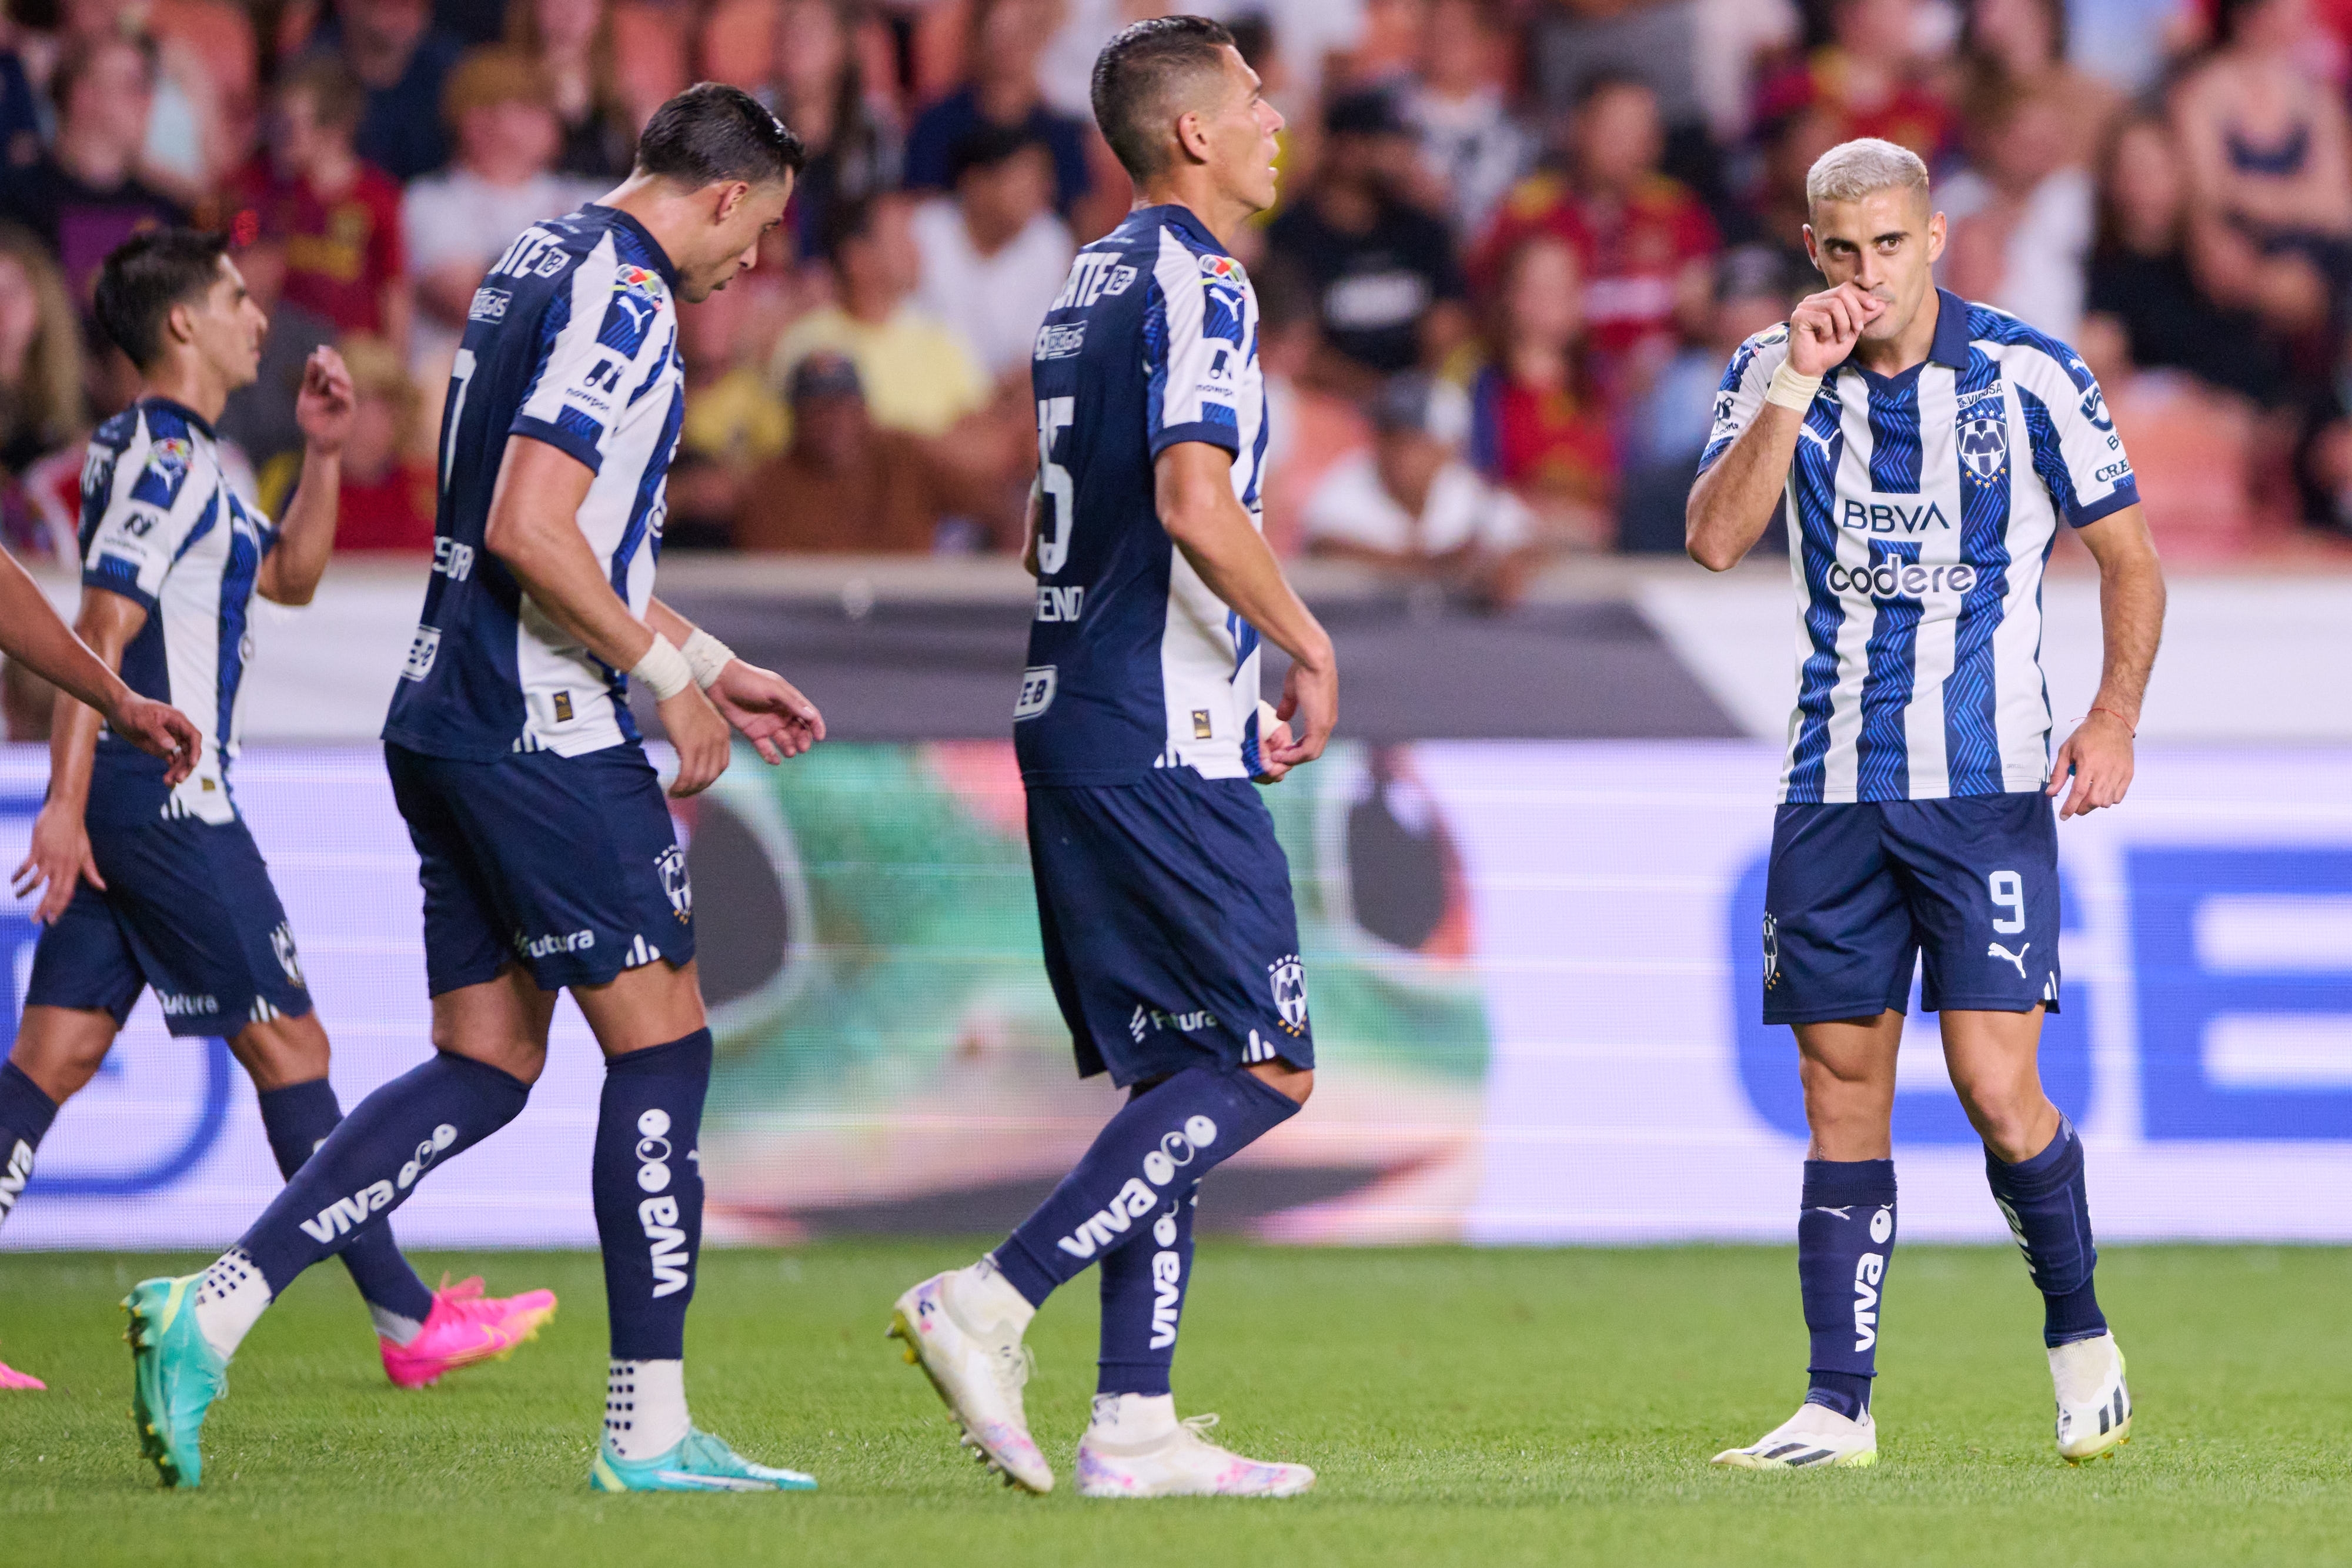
{"points": [[1995, 950]]}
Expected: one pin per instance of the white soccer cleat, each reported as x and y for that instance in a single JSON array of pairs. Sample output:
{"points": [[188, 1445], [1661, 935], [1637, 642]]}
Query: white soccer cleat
{"points": [[2095, 1409], [978, 1369], [1149, 1453], [1815, 1437]]}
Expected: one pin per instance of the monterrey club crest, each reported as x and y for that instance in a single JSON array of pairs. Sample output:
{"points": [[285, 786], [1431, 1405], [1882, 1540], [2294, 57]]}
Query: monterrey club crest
{"points": [[671, 865], [1771, 951], [1984, 446], [1290, 992]]}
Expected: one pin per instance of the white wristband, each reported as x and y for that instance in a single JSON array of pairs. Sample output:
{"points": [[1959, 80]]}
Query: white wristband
{"points": [[707, 656], [1791, 390], [663, 669]]}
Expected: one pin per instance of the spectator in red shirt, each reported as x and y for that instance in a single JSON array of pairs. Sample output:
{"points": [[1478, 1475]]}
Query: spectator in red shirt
{"points": [[1869, 77], [337, 214], [1645, 242], [1537, 423]]}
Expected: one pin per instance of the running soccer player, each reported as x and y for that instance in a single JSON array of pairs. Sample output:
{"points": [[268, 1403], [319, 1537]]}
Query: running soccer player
{"points": [[1928, 452], [1164, 897], [149, 880], [549, 859]]}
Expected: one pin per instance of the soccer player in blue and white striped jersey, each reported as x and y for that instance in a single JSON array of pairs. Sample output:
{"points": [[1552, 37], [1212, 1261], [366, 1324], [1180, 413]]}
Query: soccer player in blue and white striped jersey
{"points": [[1927, 452]]}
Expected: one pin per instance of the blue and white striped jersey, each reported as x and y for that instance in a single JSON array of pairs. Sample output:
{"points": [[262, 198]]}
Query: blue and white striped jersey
{"points": [[161, 527], [1925, 507], [572, 340], [1133, 664]]}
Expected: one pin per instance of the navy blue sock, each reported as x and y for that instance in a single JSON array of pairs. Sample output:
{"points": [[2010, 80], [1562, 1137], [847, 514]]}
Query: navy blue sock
{"points": [[1845, 1237], [369, 1163], [2048, 1206], [25, 1113], [1143, 1298], [647, 1179], [1175, 1135], [298, 1119]]}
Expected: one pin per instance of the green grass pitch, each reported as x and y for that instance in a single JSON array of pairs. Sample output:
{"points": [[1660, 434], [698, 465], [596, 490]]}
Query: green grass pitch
{"points": [[1462, 1406]]}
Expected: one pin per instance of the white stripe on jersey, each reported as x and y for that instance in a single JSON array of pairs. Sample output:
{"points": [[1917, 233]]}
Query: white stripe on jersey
{"points": [[1210, 686]]}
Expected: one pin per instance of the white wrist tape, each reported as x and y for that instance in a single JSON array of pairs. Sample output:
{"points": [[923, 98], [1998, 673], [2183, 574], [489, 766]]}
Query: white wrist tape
{"points": [[1791, 390], [663, 669], [706, 655]]}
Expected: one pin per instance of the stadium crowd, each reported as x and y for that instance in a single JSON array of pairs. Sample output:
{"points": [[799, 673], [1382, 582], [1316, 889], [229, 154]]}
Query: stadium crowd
{"points": [[1518, 242]]}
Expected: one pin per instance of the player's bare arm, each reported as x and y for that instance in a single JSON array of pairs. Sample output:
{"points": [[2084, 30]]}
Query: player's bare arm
{"points": [[766, 709], [32, 634], [2099, 755], [1192, 482], [60, 852], [323, 408], [533, 528], [1732, 503]]}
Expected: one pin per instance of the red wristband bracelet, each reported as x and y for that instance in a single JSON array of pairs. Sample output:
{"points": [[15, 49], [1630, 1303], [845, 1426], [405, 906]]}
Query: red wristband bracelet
{"points": [[2117, 717]]}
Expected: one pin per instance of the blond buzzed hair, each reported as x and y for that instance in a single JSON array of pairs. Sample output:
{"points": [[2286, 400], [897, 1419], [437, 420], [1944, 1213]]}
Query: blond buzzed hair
{"points": [[1852, 170]]}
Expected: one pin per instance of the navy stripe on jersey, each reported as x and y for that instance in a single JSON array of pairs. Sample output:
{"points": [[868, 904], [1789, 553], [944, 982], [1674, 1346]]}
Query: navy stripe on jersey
{"points": [[1880, 754], [1895, 434], [1972, 736], [1820, 448]]}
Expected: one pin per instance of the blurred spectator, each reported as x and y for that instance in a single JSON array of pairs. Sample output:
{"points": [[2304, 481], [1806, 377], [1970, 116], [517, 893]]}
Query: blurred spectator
{"points": [[82, 197], [41, 410], [573, 41], [2020, 214], [1869, 78], [337, 217], [1730, 37], [1537, 423], [916, 373], [1473, 148], [392, 46], [2142, 281], [733, 422], [1646, 242], [456, 222], [1776, 214], [1388, 291], [1409, 503], [20, 104], [818, 87], [1309, 425], [387, 499], [476, 21], [1001, 87], [259, 416], [187, 139], [1313, 37], [2019, 46], [994, 255], [846, 484], [2265, 137], [1669, 430]]}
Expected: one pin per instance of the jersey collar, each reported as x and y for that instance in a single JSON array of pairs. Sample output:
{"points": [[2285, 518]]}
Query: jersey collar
{"points": [[196, 422], [618, 219], [1950, 347], [1178, 216]]}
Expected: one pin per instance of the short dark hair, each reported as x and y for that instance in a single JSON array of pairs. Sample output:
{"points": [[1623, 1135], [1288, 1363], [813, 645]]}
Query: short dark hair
{"points": [[847, 221], [144, 277], [712, 133], [338, 96], [988, 146], [1134, 74]]}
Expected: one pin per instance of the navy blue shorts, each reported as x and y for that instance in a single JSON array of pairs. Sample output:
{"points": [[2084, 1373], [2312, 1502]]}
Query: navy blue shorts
{"points": [[568, 865], [1856, 893], [1170, 935], [188, 909]]}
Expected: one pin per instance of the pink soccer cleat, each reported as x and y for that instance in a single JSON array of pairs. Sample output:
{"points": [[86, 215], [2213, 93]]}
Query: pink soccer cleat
{"points": [[12, 1378], [466, 1327]]}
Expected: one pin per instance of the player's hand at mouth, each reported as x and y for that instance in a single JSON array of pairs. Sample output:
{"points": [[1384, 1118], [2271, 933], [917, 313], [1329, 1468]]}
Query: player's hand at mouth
{"points": [[768, 710], [2099, 757], [700, 738], [59, 856], [1825, 327]]}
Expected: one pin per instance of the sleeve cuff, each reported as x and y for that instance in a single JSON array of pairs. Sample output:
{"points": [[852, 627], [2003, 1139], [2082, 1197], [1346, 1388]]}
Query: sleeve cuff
{"points": [[1224, 436], [571, 446], [116, 575], [2126, 494]]}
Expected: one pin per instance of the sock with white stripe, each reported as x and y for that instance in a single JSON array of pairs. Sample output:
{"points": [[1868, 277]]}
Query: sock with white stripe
{"points": [[298, 1118], [1845, 1237], [2047, 1205], [25, 1113], [646, 1178], [645, 1407], [373, 1160], [1162, 1141]]}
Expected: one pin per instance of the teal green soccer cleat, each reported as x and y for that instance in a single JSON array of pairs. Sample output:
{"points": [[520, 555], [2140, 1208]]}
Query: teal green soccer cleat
{"points": [[175, 1376], [700, 1462]]}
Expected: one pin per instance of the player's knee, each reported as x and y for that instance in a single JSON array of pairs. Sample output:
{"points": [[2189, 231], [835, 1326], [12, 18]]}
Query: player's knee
{"points": [[61, 1049], [281, 1051], [2007, 1115]]}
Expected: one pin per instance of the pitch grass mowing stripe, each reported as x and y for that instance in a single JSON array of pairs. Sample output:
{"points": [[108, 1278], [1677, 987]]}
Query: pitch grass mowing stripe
{"points": [[1462, 1406]]}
